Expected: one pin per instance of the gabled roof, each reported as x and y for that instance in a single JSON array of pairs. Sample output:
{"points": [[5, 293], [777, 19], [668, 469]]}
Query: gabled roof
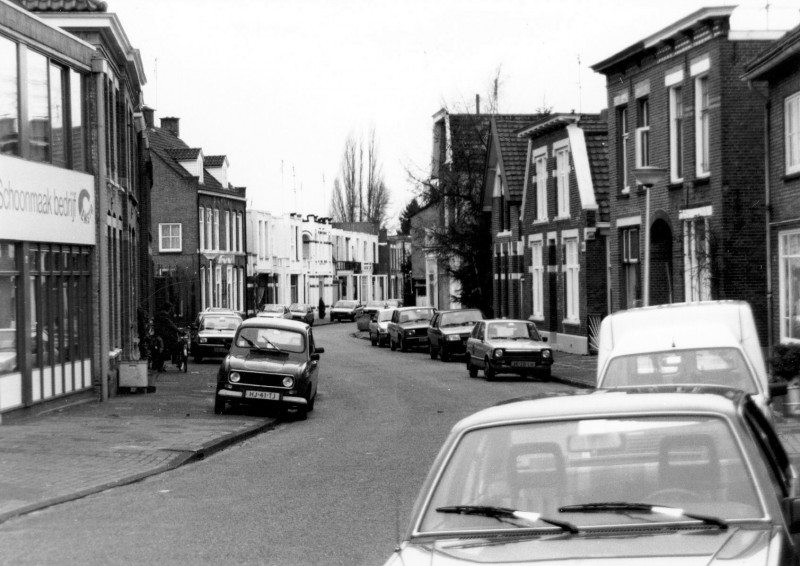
{"points": [[63, 5], [214, 160], [511, 150], [184, 153]]}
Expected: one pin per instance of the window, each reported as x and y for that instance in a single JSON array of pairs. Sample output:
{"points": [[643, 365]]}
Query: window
{"points": [[239, 227], [58, 115], [702, 126], [630, 267], [562, 181], [676, 133], [622, 148], [9, 98], [76, 121], [540, 167], [202, 216], [209, 229], [169, 238], [792, 126], [537, 278], [571, 280], [216, 245], [228, 231], [789, 269], [38, 107], [643, 133], [9, 278], [697, 259]]}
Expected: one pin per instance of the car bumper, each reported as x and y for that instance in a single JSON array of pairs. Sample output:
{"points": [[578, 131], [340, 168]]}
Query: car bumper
{"points": [[507, 366], [288, 399], [210, 350]]}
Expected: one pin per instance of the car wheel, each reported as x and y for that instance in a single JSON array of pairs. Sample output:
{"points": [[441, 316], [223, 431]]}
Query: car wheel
{"points": [[373, 339], [473, 371], [311, 401], [445, 355], [432, 351], [488, 371], [392, 345], [198, 359], [219, 405], [403, 347], [545, 373]]}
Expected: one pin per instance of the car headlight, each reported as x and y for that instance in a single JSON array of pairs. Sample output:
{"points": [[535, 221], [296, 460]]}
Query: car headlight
{"points": [[498, 353], [453, 337], [234, 377], [546, 354], [202, 340], [288, 382]]}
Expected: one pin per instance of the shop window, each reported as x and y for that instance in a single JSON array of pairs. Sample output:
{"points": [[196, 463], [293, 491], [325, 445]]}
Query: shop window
{"points": [[9, 98]]}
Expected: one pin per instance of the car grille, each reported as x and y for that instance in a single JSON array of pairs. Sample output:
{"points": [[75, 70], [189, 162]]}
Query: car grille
{"points": [[421, 332], [218, 341], [262, 379], [527, 356]]}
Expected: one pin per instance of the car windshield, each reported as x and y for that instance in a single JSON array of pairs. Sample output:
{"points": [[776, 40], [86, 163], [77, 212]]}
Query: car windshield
{"points": [[273, 308], [297, 307], [692, 463], [221, 323], [269, 338], [707, 366], [512, 330], [345, 304], [375, 305], [385, 315], [420, 314], [461, 318]]}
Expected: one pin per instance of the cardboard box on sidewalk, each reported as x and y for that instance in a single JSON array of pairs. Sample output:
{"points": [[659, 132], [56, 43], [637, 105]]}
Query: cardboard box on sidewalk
{"points": [[133, 375]]}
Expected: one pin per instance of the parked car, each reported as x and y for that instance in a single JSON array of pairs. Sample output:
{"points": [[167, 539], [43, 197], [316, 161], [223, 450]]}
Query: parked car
{"points": [[344, 310], [711, 343], [508, 346], [364, 313], [449, 331], [379, 327], [275, 311], [272, 361], [212, 334], [627, 477], [408, 327], [302, 312]]}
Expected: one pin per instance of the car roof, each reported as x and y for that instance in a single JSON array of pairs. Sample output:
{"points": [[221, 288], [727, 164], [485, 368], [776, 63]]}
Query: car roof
{"points": [[459, 310], [206, 314], [264, 322], [611, 402], [411, 308], [508, 320]]}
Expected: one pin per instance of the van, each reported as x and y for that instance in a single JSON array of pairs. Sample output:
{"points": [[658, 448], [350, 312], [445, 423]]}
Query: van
{"points": [[702, 343]]}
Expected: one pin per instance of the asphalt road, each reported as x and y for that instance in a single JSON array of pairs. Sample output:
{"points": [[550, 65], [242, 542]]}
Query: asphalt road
{"points": [[336, 489]]}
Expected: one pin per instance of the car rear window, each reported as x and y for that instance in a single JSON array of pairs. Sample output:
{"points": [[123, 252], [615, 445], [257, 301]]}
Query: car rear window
{"points": [[220, 323]]}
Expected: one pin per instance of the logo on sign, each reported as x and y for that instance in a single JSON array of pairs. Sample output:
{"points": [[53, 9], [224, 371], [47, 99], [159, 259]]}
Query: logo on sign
{"points": [[85, 207]]}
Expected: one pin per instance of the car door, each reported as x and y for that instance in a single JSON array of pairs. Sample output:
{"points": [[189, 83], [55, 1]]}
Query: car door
{"points": [[433, 331], [473, 340]]}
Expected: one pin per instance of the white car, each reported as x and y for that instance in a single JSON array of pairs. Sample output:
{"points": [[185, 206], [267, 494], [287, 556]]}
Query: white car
{"points": [[379, 327], [275, 311]]}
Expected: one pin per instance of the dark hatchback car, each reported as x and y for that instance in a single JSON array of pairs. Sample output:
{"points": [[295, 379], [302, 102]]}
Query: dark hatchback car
{"points": [[449, 330], [272, 361]]}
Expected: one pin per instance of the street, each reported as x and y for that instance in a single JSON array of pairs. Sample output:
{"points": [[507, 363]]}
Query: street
{"points": [[335, 489]]}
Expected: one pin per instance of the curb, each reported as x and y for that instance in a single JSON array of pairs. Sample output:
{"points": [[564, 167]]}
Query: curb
{"points": [[182, 458]]}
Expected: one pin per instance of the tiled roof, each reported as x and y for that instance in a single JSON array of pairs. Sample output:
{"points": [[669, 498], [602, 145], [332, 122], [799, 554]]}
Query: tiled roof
{"points": [[184, 153], [162, 142], [513, 149], [63, 5], [595, 129], [214, 160]]}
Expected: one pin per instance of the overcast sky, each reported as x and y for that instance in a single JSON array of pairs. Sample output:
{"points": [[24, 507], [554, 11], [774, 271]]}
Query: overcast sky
{"points": [[278, 85]]}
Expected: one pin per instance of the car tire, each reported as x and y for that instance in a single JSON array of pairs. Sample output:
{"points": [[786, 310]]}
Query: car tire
{"points": [[219, 405], [311, 401], [373, 339], [198, 359], [392, 345], [545, 373], [432, 351], [488, 372], [444, 354], [473, 371], [402, 345]]}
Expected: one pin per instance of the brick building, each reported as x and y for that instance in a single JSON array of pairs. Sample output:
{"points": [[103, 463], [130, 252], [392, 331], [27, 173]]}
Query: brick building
{"points": [[776, 73], [676, 104], [198, 225], [564, 218]]}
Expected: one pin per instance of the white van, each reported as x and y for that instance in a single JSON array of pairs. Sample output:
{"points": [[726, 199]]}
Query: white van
{"points": [[701, 343]]}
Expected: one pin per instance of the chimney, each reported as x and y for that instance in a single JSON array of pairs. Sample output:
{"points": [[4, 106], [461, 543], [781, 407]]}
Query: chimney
{"points": [[172, 126], [149, 116], [477, 104]]}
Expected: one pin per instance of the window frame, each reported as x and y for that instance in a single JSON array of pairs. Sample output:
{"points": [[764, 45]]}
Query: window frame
{"points": [[537, 278], [791, 120], [623, 140], [540, 168], [676, 129], [789, 302], [702, 126], [572, 282], [161, 236], [696, 261], [643, 152], [562, 180]]}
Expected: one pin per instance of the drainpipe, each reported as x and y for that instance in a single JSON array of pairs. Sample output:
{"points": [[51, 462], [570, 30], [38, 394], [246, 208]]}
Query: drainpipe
{"points": [[99, 68]]}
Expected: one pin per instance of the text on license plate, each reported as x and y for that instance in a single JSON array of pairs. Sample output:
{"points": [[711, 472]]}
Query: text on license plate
{"points": [[523, 364], [266, 395]]}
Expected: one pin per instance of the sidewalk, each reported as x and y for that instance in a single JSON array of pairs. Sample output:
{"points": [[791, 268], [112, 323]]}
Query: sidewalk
{"points": [[84, 449]]}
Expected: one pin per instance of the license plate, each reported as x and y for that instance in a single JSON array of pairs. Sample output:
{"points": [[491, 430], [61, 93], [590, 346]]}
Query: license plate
{"points": [[523, 364], [221, 350], [265, 395]]}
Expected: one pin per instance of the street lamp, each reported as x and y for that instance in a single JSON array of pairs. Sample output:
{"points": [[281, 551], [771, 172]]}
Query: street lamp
{"points": [[647, 176]]}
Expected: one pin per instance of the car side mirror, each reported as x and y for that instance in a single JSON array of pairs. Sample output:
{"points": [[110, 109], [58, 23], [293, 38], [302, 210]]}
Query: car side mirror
{"points": [[319, 350], [778, 388], [791, 506], [314, 357]]}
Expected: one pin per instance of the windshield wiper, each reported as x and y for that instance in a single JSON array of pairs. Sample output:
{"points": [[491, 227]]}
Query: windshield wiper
{"points": [[503, 514], [623, 507], [259, 348]]}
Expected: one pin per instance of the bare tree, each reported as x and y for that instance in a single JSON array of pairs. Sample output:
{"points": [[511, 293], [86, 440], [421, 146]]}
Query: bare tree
{"points": [[360, 193]]}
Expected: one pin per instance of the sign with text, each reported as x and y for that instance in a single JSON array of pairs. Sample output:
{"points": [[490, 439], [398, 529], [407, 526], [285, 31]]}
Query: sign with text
{"points": [[43, 203]]}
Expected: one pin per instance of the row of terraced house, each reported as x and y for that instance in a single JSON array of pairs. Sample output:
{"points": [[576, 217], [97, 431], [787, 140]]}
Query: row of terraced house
{"points": [[685, 188], [104, 216]]}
